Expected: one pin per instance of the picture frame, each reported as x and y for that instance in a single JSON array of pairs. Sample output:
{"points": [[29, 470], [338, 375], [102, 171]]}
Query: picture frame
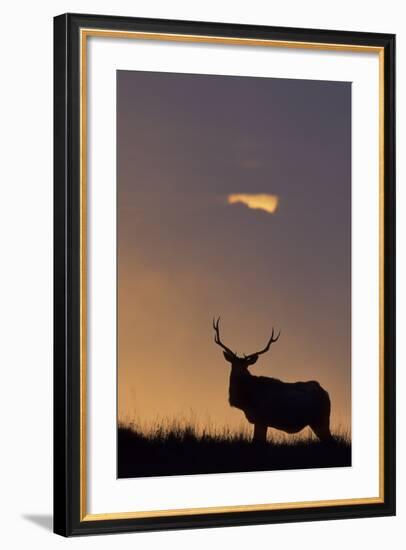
{"points": [[73, 208]]}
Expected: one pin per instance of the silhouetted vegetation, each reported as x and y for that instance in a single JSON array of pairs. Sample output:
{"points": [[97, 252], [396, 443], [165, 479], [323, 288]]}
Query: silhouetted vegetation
{"points": [[181, 450]]}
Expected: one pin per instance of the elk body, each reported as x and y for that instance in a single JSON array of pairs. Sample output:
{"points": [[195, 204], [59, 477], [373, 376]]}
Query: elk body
{"points": [[269, 402]]}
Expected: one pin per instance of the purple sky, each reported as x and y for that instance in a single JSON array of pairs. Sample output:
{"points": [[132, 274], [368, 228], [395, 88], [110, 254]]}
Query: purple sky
{"points": [[185, 142]]}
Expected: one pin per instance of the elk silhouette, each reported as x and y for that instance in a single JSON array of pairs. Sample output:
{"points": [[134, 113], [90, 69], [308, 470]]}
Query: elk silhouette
{"points": [[269, 402]]}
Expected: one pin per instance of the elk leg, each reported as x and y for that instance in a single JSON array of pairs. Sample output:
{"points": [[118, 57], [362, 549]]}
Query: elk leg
{"points": [[322, 431], [260, 433]]}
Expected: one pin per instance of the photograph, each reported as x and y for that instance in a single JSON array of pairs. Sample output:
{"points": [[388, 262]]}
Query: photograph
{"points": [[224, 274], [233, 273], [201, 248]]}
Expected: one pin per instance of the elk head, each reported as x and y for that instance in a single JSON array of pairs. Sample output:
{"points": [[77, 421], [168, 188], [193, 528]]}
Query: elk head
{"points": [[240, 364]]}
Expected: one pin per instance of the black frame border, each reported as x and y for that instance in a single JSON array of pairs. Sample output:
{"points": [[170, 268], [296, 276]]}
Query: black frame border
{"points": [[67, 521]]}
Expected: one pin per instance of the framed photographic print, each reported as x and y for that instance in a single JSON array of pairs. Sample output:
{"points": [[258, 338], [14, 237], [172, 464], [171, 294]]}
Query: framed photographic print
{"points": [[224, 274]]}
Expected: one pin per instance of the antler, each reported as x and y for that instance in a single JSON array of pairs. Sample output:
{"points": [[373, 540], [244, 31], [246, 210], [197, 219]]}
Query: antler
{"points": [[266, 348], [217, 336]]}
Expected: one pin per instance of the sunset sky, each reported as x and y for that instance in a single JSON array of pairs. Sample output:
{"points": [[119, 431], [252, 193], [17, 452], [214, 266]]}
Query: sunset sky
{"points": [[194, 243]]}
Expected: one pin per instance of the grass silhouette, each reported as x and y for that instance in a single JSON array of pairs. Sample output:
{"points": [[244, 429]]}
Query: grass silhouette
{"points": [[181, 448]]}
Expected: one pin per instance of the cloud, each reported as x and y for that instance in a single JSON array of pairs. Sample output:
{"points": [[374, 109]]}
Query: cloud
{"points": [[269, 203]]}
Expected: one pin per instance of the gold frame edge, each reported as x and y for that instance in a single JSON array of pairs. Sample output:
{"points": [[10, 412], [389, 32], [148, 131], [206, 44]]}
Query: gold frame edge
{"points": [[84, 34]]}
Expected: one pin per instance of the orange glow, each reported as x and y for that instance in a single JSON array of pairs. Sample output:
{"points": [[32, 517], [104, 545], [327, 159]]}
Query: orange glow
{"points": [[268, 203]]}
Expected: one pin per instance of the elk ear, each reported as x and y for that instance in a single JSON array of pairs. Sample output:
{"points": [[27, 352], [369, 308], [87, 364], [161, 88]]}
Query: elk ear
{"points": [[252, 360], [228, 357]]}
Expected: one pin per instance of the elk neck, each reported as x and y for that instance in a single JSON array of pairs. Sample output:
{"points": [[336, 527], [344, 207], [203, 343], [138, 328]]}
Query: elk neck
{"points": [[238, 389]]}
